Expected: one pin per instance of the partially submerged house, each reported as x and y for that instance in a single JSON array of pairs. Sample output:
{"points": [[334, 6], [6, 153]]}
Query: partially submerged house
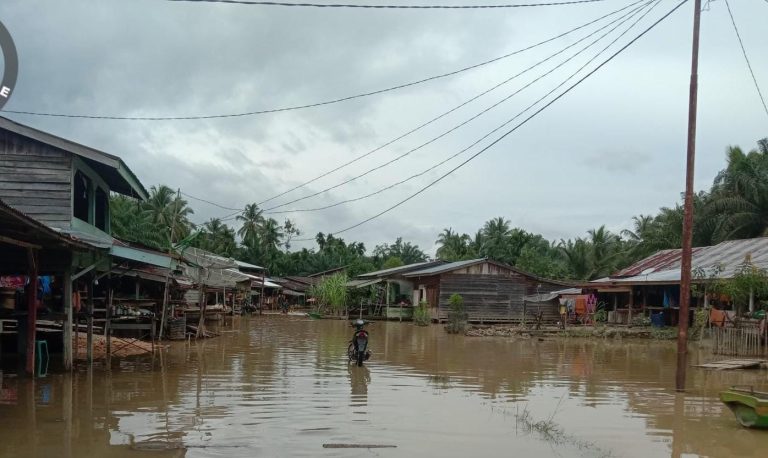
{"points": [[492, 291], [66, 186]]}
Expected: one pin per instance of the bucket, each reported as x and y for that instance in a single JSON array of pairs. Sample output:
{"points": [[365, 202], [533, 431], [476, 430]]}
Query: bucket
{"points": [[177, 328]]}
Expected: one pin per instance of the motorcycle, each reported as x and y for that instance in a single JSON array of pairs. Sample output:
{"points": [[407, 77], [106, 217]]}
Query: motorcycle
{"points": [[358, 346]]}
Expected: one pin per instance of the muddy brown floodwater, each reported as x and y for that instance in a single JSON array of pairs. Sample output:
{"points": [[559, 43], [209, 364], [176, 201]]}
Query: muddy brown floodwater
{"points": [[281, 386]]}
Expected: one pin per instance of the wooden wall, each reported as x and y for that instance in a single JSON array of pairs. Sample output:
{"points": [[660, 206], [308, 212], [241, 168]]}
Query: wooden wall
{"points": [[490, 297], [36, 179]]}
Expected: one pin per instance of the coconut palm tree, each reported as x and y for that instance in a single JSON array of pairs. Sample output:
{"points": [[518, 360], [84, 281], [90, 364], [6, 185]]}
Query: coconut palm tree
{"points": [[251, 220], [496, 234], [270, 235], [168, 212]]}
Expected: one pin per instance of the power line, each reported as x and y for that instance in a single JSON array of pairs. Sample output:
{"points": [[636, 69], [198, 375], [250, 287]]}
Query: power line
{"points": [[559, 96], [315, 104], [599, 53], [427, 123], [209, 202], [746, 58], [442, 115], [411, 7], [620, 20]]}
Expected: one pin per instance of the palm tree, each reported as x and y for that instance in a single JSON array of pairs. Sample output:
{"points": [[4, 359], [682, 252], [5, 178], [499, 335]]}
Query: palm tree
{"points": [[252, 221], [270, 235], [604, 250], [496, 234], [168, 212], [577, 255], [740, 193], [453, 246]]}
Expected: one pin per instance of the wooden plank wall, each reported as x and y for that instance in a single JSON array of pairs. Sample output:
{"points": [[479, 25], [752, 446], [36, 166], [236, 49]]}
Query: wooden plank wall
{"points": [[489, 297], [36, 179]]}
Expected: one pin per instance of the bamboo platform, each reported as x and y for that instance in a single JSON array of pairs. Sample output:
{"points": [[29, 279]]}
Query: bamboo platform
{"points": [[730, 364]]}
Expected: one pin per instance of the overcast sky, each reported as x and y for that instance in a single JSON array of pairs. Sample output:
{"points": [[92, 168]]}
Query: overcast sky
{"points": [[611, 149]]}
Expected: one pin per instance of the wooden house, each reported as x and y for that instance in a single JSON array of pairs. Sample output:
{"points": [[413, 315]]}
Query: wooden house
{"points": [[66, 186], [492, 291]]}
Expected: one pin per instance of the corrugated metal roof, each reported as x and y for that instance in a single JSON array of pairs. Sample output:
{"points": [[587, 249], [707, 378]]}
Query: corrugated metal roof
{"points": [[664, 266], [401, 269], [447, 267], [245, 265], [362, 283]]}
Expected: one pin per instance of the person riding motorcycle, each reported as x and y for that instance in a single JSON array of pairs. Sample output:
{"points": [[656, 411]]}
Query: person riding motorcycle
{"points": [[366, 354]]}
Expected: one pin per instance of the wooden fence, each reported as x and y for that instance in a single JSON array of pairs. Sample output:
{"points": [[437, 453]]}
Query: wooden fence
{"points": [[738, 341]]}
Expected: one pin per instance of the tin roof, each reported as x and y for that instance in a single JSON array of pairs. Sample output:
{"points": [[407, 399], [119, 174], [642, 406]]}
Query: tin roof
{"points": [[401, 269], [664, 266], [446, 267]]}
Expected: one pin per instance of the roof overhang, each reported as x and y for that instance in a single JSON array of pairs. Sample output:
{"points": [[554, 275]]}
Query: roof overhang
{"points": [[144, 256]]}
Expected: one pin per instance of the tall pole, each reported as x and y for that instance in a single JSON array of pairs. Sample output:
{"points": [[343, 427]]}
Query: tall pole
{"points": [[685, 267]]}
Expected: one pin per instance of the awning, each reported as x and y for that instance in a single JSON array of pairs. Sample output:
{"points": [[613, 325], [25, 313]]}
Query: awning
{"points": [[267, 284], [289, 292], [153, 258]]}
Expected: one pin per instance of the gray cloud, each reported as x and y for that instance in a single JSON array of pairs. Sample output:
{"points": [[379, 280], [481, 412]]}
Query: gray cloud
{"points": [[611, 149]]}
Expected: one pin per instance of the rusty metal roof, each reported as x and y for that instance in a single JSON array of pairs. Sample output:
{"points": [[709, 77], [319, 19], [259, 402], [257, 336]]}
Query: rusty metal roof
{"points": [[665, 265]]}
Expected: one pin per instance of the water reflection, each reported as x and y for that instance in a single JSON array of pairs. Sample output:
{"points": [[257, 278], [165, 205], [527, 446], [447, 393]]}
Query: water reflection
{"points": [[359, 378], [283, 386]]}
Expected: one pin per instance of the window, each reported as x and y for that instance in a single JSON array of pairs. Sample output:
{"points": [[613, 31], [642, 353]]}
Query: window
{"points": [[81, 203], [102, 210]]}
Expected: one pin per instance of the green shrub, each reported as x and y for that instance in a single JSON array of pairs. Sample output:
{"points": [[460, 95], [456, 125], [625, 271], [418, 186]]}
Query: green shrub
{"points": [[421, 315], [457, 316]]}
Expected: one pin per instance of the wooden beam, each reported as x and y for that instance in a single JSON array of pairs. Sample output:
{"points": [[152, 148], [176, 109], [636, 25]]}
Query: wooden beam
{"points": [[68, 318], [87, 269], [19, 243], [31, 311], [89, 318]]}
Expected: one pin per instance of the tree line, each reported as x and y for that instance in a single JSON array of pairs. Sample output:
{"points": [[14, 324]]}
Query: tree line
{"points": [[735, 207]]}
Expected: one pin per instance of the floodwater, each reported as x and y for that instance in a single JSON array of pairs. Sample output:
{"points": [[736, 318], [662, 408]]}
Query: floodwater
{"points": [[281, 386]]}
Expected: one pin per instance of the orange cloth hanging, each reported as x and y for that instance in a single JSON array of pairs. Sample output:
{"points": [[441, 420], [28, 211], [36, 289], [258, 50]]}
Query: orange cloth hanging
{"points": [[76, 301], [581, 305], [717, 317]]}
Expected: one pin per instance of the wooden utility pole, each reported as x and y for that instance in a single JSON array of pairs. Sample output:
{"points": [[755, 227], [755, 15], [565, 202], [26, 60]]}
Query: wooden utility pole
{"points": [[685, 265]]}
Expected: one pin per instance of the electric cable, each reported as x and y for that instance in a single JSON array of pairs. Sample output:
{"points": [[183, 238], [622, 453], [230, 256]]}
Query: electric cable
{"points": [[380, 6], [315, 104], [386, 188], [620, 20], [500, 138], [746, 58]]}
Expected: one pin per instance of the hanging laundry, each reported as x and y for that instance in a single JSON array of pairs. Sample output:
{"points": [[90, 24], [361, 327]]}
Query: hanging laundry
{"points": [[13, 281], [666, 300]]}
